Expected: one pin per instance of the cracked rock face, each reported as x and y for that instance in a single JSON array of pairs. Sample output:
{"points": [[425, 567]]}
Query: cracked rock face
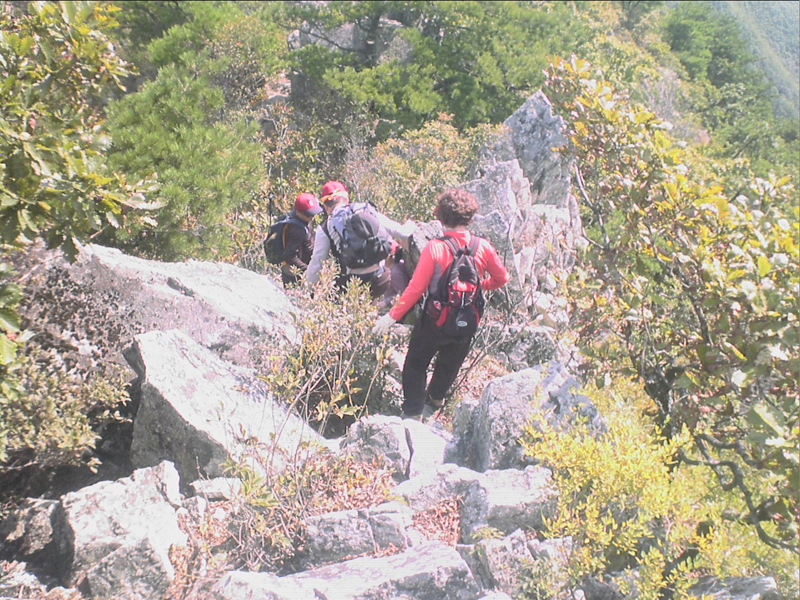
{"points": [[428, 572], [89, 311], [406, 447], [199, 411]]}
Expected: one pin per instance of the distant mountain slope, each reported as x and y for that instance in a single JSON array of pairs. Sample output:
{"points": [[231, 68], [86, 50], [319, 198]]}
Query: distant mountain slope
{"points": [[773, 32]]}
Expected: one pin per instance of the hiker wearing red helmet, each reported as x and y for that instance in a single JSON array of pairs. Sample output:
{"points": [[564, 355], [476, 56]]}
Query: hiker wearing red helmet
{"points": [[298, 241], [332, 239]]}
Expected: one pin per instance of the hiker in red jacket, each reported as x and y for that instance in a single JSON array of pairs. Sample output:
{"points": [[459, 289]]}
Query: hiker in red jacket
{"points": [[455, 209]]}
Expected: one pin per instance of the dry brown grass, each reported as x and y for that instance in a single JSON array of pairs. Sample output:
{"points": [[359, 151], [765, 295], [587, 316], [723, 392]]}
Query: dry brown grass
{"points": [[441, 522]]}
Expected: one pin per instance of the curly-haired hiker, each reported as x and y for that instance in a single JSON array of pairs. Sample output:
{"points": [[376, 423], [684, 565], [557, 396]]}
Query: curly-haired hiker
{"points": [[429, 337]]}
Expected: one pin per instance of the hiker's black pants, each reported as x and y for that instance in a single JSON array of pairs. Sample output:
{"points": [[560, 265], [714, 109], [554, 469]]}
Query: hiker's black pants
{"points": [[426, 342]]}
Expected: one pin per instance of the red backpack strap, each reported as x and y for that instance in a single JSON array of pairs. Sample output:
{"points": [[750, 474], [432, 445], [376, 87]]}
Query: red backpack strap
{"points": [[474, 244]]}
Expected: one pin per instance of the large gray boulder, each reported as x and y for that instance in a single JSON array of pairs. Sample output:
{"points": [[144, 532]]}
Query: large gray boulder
{"points": [[116, 535], [736, 588], [92, 309], [427, 572], [341, 535], [488, 432], [200, 412], [507, 500], [404, 446]]}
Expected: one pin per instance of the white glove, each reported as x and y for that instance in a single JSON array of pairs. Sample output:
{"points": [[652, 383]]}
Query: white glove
{"points": [[383, 325]]}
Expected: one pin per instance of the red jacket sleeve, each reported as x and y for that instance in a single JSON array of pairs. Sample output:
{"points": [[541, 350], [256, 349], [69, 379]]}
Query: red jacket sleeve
{"points": [[416, 287], [497, 274]]}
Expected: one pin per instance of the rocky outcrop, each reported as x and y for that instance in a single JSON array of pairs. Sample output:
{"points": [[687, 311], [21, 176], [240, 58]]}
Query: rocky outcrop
{"points": [[488, 431], [533, 132], [193, 332], [428, 572], [199, 412], [522, 183], [92, 309]]}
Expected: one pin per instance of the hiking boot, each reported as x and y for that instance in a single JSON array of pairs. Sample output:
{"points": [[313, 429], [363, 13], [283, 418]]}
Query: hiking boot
{"points": [[431, 407], [428, 411]]}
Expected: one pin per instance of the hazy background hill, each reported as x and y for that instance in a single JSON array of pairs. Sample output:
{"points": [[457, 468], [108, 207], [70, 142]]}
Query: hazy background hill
{"points": [[772, 30]]}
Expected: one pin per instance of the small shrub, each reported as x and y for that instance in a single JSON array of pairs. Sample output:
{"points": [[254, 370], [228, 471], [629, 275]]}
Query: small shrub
{"points": [[268, 524], [629, 506], [55, 418], [537, 580], [338, 368], [487, 533]]}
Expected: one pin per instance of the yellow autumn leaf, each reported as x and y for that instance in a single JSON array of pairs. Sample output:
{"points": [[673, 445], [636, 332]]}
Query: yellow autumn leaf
{"points": [[672, 190], [722, 207], [764, 266]]}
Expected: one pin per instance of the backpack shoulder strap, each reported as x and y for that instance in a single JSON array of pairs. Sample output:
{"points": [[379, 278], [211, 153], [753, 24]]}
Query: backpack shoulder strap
{"points": [[331, 243], [474, 244], [451, 243]]}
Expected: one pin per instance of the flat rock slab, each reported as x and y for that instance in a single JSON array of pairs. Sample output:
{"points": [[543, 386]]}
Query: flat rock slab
{"points": [[200, 412], [428, 572], [92, 309]]}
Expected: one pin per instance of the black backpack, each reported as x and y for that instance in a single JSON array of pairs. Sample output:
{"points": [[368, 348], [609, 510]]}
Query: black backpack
{"points": [[275, 241], [458, 304], [362, 240]]}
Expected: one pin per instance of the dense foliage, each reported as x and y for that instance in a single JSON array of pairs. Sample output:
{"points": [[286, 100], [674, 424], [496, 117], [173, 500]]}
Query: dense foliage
{"points": [[772, 29], [188, 126], [731, 98], [58, 68], [475, 60], [403, 175], [629, 510], [695, 287]]}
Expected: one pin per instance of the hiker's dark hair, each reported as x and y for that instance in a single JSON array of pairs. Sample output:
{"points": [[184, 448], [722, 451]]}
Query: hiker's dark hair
{"points": [[455, 207]]}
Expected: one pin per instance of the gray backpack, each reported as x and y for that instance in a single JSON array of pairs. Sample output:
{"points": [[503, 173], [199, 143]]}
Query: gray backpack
{"points": [[362, 240]]}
